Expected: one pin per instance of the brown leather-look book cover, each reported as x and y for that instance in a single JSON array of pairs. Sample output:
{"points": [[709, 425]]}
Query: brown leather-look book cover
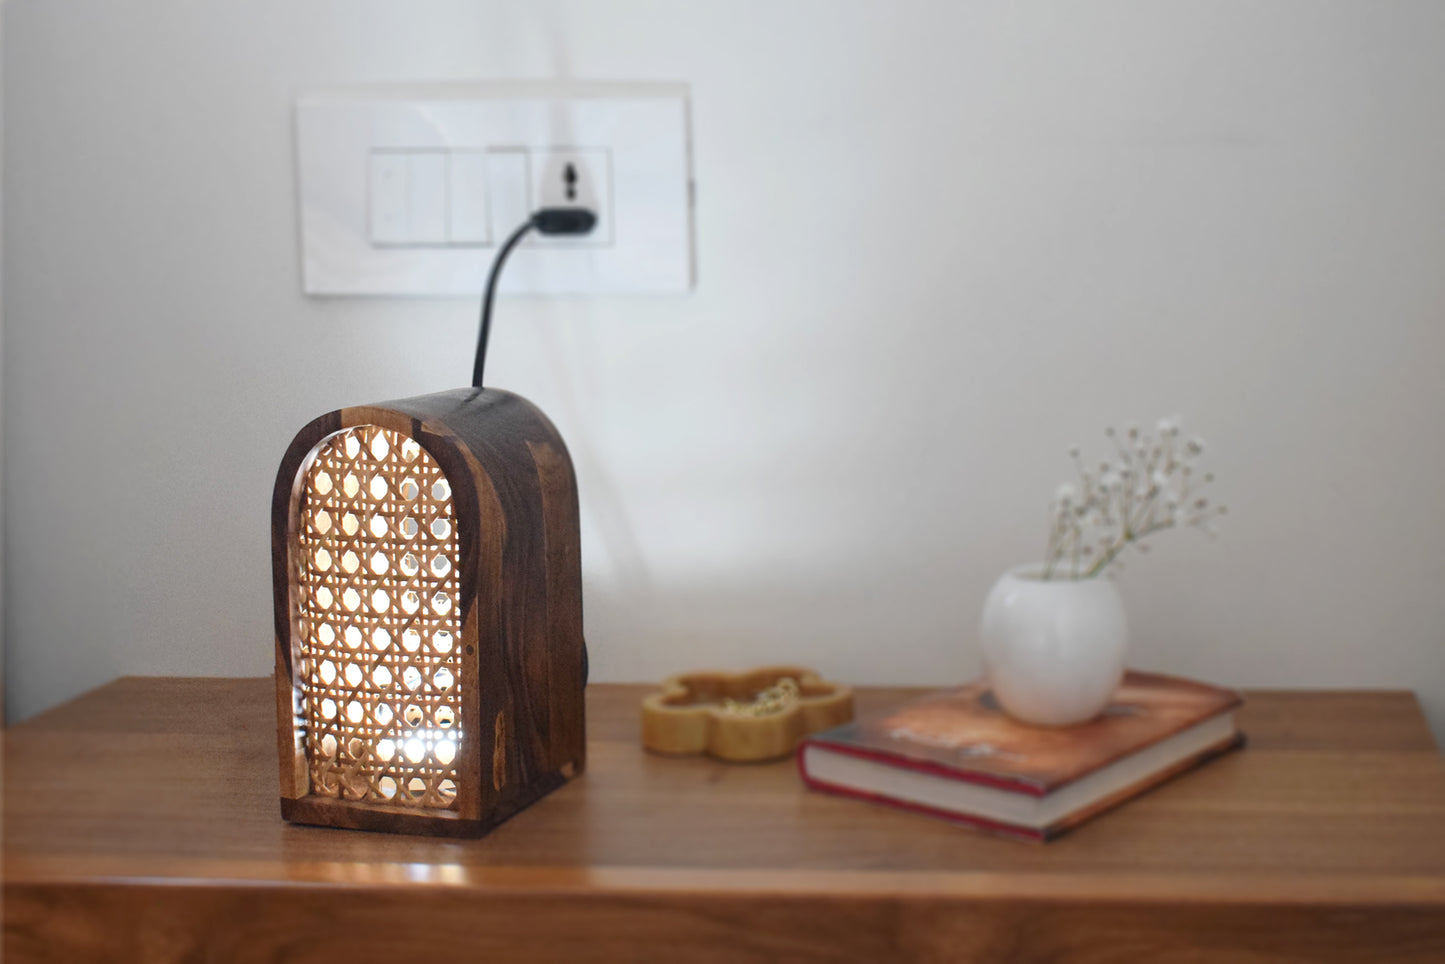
{"points": [[963, 735]]}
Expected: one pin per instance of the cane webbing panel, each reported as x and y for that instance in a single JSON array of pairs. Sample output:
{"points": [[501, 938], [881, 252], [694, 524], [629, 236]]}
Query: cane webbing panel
{"points": [[380, 622]]}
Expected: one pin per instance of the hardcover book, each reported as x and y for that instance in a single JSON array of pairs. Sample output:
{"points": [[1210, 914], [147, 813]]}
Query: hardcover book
{"points": [[955, 754]]}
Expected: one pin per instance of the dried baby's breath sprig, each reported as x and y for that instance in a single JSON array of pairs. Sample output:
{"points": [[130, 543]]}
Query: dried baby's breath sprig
{"points": [[1153, 484]]}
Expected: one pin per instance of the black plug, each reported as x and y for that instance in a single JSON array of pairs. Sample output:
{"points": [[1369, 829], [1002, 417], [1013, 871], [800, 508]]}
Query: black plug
{"points": [[564, 220], [551, 221]]}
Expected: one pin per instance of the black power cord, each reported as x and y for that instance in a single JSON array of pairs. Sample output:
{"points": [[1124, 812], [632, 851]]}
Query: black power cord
{"points": [[549, 221]]}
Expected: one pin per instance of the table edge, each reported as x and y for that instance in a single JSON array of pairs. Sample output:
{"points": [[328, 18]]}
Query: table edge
{"points": [[667, 882]]}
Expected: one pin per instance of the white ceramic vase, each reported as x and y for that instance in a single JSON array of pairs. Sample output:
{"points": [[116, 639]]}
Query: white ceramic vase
{"points": [[1053, 650]]}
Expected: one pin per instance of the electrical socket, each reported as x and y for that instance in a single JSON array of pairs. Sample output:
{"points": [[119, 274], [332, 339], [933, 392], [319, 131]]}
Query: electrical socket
{"points": [[571, 177]]}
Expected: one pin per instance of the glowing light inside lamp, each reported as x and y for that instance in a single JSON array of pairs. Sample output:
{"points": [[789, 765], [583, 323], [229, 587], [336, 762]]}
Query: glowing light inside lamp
{"points": [[379, 615]]}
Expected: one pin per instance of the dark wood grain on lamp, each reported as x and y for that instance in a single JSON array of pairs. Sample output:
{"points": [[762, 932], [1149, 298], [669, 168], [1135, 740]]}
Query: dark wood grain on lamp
{"points": [[520, 654], [141, 824]]}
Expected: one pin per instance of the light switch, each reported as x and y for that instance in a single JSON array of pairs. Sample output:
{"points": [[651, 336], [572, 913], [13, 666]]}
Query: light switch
{"points": [[468, 220], [508, 185], [427, 197], [388, 221], [408, 198]]}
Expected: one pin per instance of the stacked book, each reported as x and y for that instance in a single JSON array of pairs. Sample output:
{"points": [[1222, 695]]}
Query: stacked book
{"points": [[956, 755]]}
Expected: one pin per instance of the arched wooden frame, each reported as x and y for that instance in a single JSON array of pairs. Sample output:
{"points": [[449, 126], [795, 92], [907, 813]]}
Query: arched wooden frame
{"points": [[522, 656]]}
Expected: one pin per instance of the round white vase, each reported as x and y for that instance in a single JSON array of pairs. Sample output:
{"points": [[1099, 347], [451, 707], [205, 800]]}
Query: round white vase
{"points": [[1053, 650]]}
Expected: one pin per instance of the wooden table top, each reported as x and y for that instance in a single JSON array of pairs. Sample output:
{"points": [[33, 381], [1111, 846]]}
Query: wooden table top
{"points": [[1323, 840]]}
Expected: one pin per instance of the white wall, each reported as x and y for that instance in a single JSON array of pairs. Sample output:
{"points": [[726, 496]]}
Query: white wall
{"points": [[937, 243]]}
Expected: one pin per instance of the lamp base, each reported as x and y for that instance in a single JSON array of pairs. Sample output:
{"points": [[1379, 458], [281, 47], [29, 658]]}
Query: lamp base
{"points": [[329, 812]]}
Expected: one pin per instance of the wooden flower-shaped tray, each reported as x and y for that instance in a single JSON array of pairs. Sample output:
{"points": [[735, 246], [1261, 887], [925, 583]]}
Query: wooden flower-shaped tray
{"points": [[742, 717]]}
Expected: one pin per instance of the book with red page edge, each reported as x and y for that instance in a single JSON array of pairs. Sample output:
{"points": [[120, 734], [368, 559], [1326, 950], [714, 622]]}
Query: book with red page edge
{"points": [[1155, 728]]}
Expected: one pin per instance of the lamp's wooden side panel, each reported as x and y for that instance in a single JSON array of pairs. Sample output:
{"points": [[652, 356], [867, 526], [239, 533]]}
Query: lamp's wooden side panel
{"points": [[567, 675]]}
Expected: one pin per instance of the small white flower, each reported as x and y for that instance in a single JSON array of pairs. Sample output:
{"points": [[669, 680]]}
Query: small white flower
{"points": [[1145, 488]]}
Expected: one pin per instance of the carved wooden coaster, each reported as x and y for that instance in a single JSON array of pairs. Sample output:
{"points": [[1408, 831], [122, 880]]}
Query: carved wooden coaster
{"points": [[742, 717]]}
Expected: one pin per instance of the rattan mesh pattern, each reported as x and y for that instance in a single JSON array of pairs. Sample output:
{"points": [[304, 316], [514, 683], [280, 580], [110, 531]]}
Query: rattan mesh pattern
{"points": [[380, 622]]}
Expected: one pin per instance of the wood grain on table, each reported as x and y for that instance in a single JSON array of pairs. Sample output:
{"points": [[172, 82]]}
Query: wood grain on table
{"points": [[142, 823]]}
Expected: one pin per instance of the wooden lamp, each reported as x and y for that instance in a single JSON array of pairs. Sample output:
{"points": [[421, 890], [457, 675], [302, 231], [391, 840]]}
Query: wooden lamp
{"points": [[427, 577]]}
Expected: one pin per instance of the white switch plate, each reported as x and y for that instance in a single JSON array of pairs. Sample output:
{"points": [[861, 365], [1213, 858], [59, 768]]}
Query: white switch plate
{"points": [[409, 190]]}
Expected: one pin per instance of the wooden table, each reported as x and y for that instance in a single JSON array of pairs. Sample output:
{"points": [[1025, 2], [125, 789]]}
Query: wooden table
{"points": [[141, 823]]}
